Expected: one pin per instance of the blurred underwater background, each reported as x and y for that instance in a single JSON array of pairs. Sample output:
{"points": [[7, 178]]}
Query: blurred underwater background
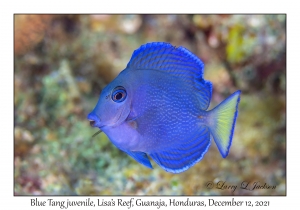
{"points": [[62, 62]]}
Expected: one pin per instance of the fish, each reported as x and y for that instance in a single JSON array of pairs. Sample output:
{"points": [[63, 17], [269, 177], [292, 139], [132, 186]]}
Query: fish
{"points": [[157, 107]]}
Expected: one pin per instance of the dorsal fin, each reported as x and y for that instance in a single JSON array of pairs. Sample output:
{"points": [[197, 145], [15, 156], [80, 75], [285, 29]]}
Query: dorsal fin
{"points": [[178, 61], [165, 57]]}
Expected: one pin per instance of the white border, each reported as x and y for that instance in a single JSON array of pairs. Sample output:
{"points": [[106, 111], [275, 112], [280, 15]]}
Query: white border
{"points": [[8, 8]]}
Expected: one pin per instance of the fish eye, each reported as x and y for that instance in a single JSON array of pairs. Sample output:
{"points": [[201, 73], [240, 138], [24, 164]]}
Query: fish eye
{"points": [[119, 94]]}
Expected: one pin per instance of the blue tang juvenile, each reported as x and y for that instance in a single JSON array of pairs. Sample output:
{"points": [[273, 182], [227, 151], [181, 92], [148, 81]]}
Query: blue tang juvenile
{"points": [[157, 107]]}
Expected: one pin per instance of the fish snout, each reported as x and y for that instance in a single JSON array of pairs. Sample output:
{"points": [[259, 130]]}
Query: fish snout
{"points": [[94, 120]]}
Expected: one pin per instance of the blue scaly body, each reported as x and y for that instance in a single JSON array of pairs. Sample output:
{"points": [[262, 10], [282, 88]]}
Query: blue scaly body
{"points": [[157, 107]]}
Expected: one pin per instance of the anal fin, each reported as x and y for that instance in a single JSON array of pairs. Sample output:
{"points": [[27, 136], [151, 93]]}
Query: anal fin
{"points": [[184, 155]]}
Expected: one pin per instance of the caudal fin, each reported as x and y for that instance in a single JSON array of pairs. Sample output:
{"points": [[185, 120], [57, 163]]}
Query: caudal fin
{"points": [[221, 122]]}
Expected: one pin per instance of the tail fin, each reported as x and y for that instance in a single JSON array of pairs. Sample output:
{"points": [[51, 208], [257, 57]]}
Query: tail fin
{"points": [[221, 122]]}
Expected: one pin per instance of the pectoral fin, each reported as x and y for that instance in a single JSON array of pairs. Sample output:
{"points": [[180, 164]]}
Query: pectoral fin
{"points": [[140, 157]]}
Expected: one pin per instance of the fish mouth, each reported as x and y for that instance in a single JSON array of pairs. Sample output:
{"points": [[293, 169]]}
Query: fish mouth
{"points": [[93, 119]]}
